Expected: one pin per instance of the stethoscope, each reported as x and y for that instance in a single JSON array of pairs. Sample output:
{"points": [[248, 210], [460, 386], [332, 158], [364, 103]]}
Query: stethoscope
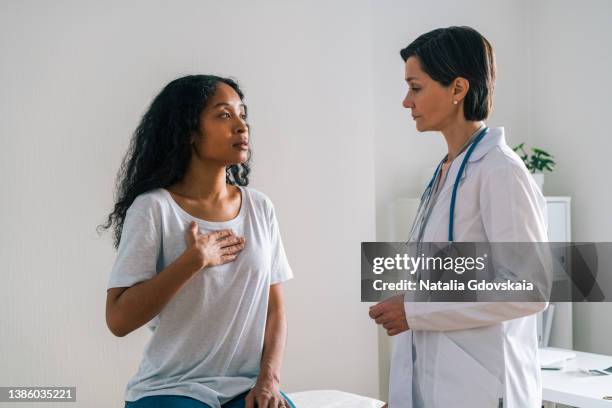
{"points": [[426, 196]]}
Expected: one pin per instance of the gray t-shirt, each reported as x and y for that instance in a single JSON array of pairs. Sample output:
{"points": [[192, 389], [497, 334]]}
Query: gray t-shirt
{"points": [[207, 342]]}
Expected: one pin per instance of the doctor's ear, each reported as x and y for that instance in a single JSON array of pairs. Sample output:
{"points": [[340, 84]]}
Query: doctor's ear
{"points": [[460, 87]]}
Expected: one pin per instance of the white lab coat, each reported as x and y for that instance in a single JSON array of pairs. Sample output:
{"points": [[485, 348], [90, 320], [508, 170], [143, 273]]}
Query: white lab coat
{"points": [[474, 354]]}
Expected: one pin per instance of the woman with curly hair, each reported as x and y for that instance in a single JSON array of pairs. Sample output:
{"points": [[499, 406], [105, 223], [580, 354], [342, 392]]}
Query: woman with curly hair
{"points": [[200, 258]]}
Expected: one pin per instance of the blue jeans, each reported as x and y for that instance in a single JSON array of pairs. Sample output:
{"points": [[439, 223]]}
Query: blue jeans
{"points": [[179, 401]]}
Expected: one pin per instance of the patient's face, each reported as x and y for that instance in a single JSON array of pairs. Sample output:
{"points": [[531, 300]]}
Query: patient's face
{"points": [[224, 134], [430, 103]]}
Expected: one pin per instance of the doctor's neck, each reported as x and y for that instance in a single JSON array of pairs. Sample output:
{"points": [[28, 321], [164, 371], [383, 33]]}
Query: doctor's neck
{"points": [[457, 136]]}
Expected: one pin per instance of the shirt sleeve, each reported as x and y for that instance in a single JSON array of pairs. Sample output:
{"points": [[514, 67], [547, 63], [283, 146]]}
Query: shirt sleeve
{"points": [[139, 247], [280, 269]]}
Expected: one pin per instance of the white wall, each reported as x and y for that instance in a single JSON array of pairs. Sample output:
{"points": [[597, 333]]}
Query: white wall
{"points": [[333, 146], [75, 78], [571, 112]]}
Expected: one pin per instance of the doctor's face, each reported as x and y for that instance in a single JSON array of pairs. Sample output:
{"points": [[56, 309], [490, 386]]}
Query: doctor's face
{"points": [[430, 103]]}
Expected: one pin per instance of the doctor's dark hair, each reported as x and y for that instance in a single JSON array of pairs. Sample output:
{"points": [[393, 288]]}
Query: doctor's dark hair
{"points": [[160, 148], [447, 53]]}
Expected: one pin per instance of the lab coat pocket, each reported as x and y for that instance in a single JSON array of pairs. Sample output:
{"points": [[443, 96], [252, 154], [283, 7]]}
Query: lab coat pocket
{"points": [[461, 381]]}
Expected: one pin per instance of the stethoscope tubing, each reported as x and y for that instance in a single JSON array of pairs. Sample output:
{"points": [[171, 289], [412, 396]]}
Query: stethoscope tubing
{"points": [[427, 193]]}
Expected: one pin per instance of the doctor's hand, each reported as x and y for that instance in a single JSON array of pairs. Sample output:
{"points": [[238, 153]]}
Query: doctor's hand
{"points": [[390, 313]]}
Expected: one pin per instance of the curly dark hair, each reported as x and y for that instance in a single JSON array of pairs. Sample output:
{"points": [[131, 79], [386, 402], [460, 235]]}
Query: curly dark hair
{"points": [[160, 149]]}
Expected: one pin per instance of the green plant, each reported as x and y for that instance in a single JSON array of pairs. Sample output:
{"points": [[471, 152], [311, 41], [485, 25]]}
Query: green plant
{"points": [[539, 160]]}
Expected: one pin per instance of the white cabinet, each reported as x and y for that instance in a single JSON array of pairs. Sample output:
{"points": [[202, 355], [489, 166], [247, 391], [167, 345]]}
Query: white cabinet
{"points": [[559, 230]]}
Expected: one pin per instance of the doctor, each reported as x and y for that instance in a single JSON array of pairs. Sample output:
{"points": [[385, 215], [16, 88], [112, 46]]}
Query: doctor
{"points": [[476, 355]]}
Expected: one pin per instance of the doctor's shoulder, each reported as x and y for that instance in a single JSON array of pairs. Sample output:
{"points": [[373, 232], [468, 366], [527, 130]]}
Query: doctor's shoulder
{"points": [[503, 166], [502, 157]]}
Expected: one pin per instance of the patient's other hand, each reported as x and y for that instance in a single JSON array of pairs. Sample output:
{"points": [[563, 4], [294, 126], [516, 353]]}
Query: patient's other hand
{"points": [[265, 394], [390, 313]]}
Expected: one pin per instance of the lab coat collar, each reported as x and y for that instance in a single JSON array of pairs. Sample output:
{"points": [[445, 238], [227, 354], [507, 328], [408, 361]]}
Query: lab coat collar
{"points": [[494, 137]]}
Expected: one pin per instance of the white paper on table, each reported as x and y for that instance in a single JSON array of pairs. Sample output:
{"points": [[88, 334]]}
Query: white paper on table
{"points": [[550, 356]]}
